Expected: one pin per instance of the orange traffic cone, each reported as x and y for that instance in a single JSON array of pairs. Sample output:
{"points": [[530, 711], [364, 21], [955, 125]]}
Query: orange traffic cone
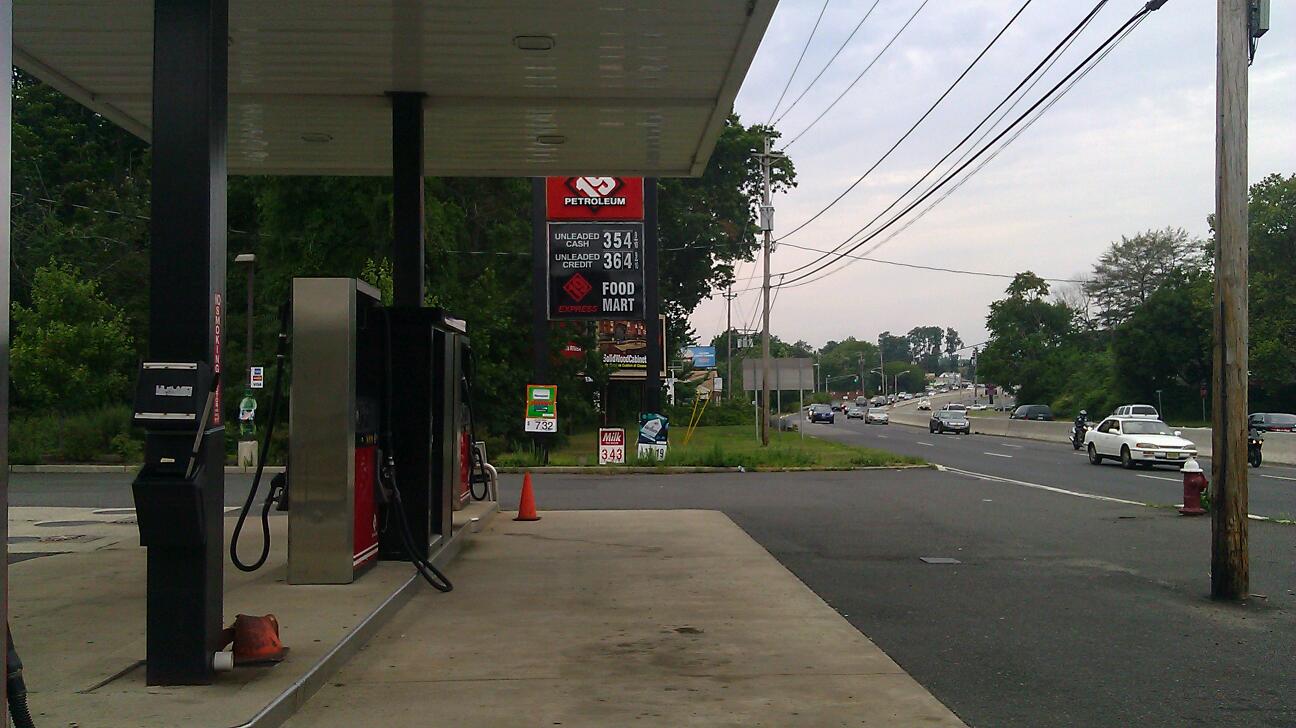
{"points": [[256, 640], [526, 504]]}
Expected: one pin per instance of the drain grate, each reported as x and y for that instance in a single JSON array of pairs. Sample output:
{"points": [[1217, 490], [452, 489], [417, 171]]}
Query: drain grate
{"points": [[939, 560]]}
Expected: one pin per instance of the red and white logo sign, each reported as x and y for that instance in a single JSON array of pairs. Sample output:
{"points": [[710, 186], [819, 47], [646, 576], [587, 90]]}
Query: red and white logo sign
{"points": [[594, 198], [612, 446]]}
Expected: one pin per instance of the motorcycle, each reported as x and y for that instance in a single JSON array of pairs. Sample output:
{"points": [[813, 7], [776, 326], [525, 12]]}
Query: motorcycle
{"points": [[1078, 436], [1255, 441]]}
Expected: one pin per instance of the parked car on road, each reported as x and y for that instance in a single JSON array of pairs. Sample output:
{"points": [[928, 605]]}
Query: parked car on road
{"points": [[877, 416], [1272, 421], [855, 412], [820, 413], [1137, 440], [955, 421], [1040, 412], [1137, 410]]}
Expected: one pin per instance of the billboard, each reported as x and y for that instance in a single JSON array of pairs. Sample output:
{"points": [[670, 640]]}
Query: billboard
{"points": [[700, 357], [623, 346]]}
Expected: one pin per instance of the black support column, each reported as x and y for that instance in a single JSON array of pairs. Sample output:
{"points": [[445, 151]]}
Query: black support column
{"points": [[539, 284], [652, 399], [6, 152], [187, 288], [407, 199]]}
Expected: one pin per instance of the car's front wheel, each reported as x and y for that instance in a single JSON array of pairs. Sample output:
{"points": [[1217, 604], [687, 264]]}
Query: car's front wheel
{"points": [[1127, 460], [1094, 457]]}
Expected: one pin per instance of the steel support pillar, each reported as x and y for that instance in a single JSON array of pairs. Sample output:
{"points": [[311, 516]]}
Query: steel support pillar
{"points": [[408, 267], [6, 152], [652, 399], [187, 288], [539, 285]]}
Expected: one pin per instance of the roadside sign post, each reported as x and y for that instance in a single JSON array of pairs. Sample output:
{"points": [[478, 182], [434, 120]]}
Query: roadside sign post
{"points": [[256, 377], [654, 434]]}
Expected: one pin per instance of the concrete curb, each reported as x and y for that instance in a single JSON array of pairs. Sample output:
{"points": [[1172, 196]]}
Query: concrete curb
{"points": [[688, 470], [289, 701], [91, 469]]}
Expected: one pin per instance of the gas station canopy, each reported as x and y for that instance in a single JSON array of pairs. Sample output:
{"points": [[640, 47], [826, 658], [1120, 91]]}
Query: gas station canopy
{"points": [[514, 87]]}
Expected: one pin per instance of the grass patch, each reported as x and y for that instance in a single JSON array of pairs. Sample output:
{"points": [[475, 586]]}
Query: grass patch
{"points": [[723, 446]]}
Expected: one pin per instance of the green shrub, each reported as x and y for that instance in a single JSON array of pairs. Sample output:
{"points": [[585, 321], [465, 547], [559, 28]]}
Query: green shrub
{"points": [[99, 435]]}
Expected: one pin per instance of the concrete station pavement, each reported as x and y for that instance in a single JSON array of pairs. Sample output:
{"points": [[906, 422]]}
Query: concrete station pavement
{"points": [[597, 618], [1064, 611], [1272, 487]]}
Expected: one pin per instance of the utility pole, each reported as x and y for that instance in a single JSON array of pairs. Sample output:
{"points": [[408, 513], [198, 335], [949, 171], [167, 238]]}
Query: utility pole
{"points": [[882, 366], [1230, 559], [767, 226], [729, 297]]}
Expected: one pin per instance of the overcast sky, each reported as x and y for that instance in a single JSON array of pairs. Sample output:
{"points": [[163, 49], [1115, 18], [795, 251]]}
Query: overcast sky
{"points": [[1131, 147]]}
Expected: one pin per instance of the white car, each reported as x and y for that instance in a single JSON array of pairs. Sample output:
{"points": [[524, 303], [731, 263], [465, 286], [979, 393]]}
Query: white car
{"points": [[1137, 440], [1137, 410], [876, 416], [924, 405]]}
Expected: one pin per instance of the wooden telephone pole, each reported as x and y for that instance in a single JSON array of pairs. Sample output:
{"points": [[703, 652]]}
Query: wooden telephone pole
{"points": [[1230, 559]]}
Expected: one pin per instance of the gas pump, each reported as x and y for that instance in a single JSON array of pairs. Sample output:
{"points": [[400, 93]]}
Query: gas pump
{"points": [[375, 416]]}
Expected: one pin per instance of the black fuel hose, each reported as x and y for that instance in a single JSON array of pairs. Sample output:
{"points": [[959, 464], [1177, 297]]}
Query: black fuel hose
{"points": [[475, 457], [272, 496], [16, 686], [425, 568]]}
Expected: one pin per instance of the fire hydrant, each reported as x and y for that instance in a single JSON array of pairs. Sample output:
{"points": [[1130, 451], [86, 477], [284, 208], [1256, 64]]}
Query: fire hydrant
{"points": [[1194, 481]]}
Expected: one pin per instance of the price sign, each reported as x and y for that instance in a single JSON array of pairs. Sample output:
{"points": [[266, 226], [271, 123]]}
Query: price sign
{"points": [[596, 270], [541, 408], [612, 446]]}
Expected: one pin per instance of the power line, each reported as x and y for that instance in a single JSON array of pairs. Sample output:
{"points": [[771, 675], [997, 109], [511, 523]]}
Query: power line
{"points": [[1086, 64], [801, 57], [1083, 69], [819, 75], [841, 95], [937, 269], [963, 141], [916, 124]]}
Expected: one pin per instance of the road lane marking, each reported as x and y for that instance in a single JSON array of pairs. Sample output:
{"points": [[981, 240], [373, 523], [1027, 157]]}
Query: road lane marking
{"points": [[1159, 477], [928, 444], [883, 436], [1063, 491], [1275, 477], [996, 454], [1007, 445]]}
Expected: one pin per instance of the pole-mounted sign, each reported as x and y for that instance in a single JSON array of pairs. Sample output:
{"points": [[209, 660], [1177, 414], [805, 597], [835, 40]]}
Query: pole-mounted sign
{"points": [[542, 408], [596, 270]]}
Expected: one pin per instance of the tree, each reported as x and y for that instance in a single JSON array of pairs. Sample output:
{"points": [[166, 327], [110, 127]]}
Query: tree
{"points": [[1028, 338], [894, 348], [953, 342], [1272, 232], [71, 347], [1133, 268], [1177, 319], [925, 346]]}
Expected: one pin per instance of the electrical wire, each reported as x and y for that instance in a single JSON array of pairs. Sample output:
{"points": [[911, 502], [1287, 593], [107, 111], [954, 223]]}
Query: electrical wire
{"points": [[847, 90], [1034, 72], [1115, 37], [819, 75], [937, 269], [797, 65], [916, 124]]}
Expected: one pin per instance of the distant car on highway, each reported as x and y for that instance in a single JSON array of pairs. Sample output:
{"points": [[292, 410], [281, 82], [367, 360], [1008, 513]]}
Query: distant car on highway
{"points": [[820, 413], [1136, 410], [1272, 421], [1040, 412], [855, 412], [878, 401], [955, 421], [924, 404], [876, 416], [978, 408], [955, 407], [1137, 440]]}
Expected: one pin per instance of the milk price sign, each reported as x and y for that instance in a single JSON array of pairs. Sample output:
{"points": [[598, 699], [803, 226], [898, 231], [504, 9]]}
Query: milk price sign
{"points": [[612, 446], [596, 270]]}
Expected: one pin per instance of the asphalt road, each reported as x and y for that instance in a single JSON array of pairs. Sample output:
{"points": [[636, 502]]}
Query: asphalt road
{"points": [[1272, 487], [104, 490], [1064, 611]]}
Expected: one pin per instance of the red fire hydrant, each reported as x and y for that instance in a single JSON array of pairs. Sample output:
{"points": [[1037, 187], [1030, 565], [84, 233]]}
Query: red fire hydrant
{"points": [[1194, 485]]}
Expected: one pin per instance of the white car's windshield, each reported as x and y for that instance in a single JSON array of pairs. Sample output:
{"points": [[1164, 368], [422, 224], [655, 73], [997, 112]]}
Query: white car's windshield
{"points": [[1145, 427]]}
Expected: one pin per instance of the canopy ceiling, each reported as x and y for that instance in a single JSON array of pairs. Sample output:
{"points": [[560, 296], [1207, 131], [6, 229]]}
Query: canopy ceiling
{"points": [[629, 87]]}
